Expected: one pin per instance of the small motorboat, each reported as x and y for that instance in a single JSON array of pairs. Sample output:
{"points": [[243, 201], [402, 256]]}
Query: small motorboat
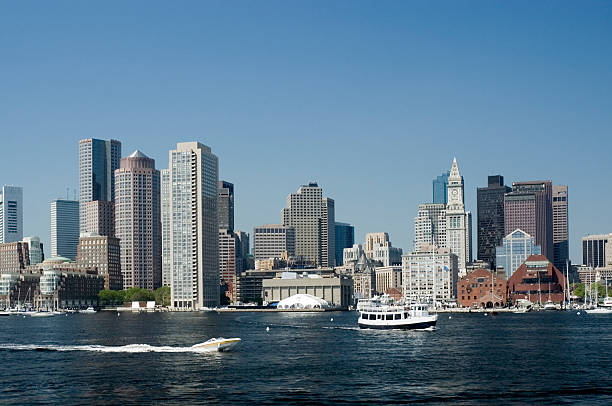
{"points": [[89, 310], [219, 344]]}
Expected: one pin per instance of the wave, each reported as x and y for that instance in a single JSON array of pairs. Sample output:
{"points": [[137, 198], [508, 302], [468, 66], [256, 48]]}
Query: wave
{"points": [[131, 348]]}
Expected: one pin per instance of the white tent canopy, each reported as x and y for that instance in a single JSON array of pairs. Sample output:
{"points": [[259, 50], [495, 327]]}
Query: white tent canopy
{"points": [[302, 301]]}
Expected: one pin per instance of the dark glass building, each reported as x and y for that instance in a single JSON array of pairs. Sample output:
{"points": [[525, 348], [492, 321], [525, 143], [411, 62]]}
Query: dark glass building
{"points": [[225, 205], [490, 201], [439, 188], [345, 238]]}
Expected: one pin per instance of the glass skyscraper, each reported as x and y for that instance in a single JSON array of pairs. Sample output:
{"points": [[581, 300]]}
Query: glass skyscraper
{"points": [[490, 201], [345, 238], [515, 249], [11, 214], [439, 188], [64, 228]]}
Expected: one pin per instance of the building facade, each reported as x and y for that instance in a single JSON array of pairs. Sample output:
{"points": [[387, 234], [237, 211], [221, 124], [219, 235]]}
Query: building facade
{"points": [[64, 228], [11, 214], [482, 289], [226, 205], [194, 228], [594, 251], [100, 217], [388, 277], [529, 208], [490, 202], [229, 266], [165, 225], [538, 281], [430, 225], [101, 253], [313, 218], [345, 238], [138, 221], [430, 275], [560, 226], [337, 291], [14, 256], [271, 240], [35, 249], [98, 160], [516, 247]]}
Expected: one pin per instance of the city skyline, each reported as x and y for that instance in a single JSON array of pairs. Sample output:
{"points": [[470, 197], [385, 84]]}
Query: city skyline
{"points": [[288, 109]]}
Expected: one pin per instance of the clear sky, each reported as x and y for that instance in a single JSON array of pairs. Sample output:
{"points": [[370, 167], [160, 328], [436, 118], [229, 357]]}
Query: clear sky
{"points": [[372, 99]]}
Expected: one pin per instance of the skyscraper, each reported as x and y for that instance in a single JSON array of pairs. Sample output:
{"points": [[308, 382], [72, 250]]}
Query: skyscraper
{"points": [[439, 189], [165, 226], [100, 217], [345, 238], [490, 201], [594, 250], [430, 225], [228, 260], [11, 214], [194, 228], [458, 221], [101, 253], [35, 249], [514, 249], [271, 240], [98, 160], [226, 205], [529, 207], [64, 228], [137, 221], [560, 227], [313, 218]]}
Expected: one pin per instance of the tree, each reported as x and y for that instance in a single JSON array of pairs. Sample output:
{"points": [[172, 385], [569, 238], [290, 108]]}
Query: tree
{"points": [[162, 296], [579, 290], [111, 297]]}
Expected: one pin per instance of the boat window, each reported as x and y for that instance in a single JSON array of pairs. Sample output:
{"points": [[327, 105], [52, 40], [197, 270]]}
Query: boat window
{"points": [[379, 316], [406, 315], [398, 316], [389, 317], [364, 316], [372, 317]]}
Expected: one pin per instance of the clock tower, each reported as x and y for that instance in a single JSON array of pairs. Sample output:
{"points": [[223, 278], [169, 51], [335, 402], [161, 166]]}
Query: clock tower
{"points": [[458, 221], [455, 190]]}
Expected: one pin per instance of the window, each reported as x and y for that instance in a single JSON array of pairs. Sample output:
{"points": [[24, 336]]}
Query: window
{"points": [[398, 316]]}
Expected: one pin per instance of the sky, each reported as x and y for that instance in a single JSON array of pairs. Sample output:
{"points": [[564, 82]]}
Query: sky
{"points": [[371, 99]]}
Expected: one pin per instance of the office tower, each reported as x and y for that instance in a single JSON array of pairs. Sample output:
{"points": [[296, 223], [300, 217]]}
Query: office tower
{"points": [[594, 250], [271, 240], [529, 207], [137, 221], [165, 225], [429, 272], [313, 218], [98, 160], [64, 228], [194, 228], [439, 189], [11, 214], [243, 249], [345, 238], [560, 227], [377, 247], [430, 225], [225, 205], [490, 201], [14, 257], [515, 248], [228, 261], [103, 254], [458, 221], [373, 239], [35, 249], [100, 217]]}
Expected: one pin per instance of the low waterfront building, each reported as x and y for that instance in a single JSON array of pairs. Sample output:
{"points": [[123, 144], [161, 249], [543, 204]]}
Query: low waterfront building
{"points": [[337, 291], [65, 289], [18, 289], [388, 277], [249, 285], [538, 281], [482, 288], [430, 274], [14, 257]]}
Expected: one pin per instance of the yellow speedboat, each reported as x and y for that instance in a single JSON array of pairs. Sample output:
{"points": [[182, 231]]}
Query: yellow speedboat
{"points": [[219, 344]]}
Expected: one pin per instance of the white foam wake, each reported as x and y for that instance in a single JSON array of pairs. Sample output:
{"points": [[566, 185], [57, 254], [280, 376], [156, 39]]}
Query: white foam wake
{"points": [[131, 348]]}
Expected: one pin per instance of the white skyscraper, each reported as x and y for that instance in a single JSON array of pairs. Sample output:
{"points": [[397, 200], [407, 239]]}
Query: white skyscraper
{"points": [[165, 225], [458, 221], [64, 228], [313, 218], [194, 231], [11, 214], [430, 225]]}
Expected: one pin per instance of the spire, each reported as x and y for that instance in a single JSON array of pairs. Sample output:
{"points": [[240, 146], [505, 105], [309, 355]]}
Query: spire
{"points": [[454, 172], [137, 154]]}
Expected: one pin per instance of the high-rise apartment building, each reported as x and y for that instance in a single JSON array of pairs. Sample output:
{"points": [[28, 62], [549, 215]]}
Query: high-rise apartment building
{"points": [[137, 221], [165, 225], [313, 218], [64, 228], [100, 217], [194, 227], [430, 225], [560, 227], [515, 248], [98, 160], [529, 207], [439, 188], [594, 250], [35, 249], [225, 205], [345, 238], [103, 254], [11, 214], [490, 202], [271, 240]]}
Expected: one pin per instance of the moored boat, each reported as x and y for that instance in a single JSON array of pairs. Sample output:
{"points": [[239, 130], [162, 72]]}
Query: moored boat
{"points": [[219, 344]]}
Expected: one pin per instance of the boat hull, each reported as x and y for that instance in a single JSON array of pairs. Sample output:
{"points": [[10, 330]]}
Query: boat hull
{"points": [[218, 345]]}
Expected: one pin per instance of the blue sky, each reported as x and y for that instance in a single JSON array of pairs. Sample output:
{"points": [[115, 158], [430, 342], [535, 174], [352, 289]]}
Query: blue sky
{"points": [[372, 99]]}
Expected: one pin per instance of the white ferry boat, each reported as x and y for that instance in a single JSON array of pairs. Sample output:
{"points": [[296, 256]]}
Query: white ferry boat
{"points": [[415, 316]]}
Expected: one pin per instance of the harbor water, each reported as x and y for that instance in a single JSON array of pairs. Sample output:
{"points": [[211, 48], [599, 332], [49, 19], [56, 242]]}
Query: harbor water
{"points": [[546, 358]]}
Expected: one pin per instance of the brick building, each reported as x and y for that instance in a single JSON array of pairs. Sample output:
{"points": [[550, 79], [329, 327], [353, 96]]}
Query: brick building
{"points": [[538, 281], [482, 288]]}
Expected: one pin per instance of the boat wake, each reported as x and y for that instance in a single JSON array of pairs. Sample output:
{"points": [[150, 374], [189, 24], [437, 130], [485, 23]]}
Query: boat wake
{"points": [[131, 348]]}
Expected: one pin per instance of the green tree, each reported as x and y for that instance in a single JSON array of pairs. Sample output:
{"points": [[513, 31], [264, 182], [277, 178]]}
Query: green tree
{"points": [[162, 296], [138, 295], [111, 297], [578, 290]]}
